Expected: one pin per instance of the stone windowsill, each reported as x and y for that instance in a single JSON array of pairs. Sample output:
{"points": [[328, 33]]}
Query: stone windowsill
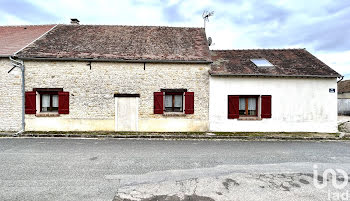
{"points": [[174, 114], [249, 118], [46, 114]]}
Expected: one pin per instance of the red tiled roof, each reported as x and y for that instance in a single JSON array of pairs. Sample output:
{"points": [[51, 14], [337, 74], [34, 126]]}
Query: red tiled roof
{"points": [[109, 42], [344, 86], [287, 62], [14, 38]]}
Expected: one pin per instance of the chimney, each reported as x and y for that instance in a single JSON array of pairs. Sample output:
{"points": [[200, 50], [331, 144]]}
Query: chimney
{"points": [[74, 21]]}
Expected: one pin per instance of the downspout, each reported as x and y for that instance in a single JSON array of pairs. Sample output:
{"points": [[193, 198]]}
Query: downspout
{"points": [[20, 65]]}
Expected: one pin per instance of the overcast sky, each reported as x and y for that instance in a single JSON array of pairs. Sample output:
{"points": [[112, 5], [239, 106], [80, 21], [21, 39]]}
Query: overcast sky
{"points": [[320, 26]]}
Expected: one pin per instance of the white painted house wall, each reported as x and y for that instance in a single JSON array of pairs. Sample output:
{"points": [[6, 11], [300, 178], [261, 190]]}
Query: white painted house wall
{"points": [[298, 104]]}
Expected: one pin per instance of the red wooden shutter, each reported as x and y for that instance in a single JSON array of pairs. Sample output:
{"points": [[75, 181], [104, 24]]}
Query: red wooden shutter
{"points": [[30, 102], [63, 102], [233, 107], [158, 103], [189, 102], [266, 107]]}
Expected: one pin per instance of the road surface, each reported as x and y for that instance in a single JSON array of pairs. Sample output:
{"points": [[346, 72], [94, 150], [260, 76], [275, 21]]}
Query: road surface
{"points": [[112, 169]]}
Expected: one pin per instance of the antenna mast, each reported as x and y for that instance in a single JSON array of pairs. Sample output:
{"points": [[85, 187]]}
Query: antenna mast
{"points": [[206, 14]]}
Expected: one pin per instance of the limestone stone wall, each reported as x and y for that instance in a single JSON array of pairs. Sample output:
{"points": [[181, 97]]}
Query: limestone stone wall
{"points": [[92, 93], [10, 97]]}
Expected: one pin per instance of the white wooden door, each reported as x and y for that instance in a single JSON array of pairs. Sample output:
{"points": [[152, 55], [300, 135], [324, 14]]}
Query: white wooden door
{"points": [[126, 113]]}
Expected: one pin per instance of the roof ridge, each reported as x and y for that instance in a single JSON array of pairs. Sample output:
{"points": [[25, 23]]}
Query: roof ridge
{"points": [[118, 25], [267, 49], [29, 25]]}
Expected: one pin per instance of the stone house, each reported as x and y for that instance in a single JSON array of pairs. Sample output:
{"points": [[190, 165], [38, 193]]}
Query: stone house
{"points": [[344, 97], [286, 90], [117, 78], [12, 40]]}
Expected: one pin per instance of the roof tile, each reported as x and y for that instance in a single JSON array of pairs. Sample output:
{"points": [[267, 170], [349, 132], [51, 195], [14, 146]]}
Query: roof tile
{"points": [[287, 62], [121, 43], [14, 38], [344, 86]]}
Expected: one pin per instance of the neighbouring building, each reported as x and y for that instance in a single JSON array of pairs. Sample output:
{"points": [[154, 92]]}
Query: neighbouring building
{"points": [[344, 97], [117, 78], [13, 39], [287, 90]]}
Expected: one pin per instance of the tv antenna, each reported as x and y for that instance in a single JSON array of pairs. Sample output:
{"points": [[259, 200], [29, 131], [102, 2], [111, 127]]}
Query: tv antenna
{"points": [[206, 14]]}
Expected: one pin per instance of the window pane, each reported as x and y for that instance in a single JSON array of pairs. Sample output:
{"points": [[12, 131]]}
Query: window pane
{"points": [[178, 103], [168, 103], [45, 100], [252, 112], [241, 103], [168, 100], [242, 106], [251, 106], [55, 101], [261, 62]]}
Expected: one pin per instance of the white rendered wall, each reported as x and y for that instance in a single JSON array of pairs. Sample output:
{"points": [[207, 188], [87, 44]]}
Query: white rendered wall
{"points": [[298, 104]]}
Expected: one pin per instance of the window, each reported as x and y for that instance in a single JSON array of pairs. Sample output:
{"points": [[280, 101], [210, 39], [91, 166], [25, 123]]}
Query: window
{"points": [[261, 63], [49, 102], [173, 102], [248, 106]]}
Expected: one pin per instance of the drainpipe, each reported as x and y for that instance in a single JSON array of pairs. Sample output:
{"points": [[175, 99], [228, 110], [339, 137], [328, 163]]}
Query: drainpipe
{"points": [[20, 65]]}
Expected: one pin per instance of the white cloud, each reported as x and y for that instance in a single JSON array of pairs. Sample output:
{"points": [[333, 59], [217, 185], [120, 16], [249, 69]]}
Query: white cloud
{"points": [[338, 61], [11, 20]]}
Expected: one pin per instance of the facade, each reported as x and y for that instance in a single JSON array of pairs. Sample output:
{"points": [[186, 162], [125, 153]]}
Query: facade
{"points": [[284, 91], [158, 81], [13, 39], [10, 99], [115, 96], [344, 97]]}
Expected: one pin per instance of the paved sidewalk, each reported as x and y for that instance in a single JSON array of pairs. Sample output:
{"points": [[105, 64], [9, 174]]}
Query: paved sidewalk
{"points": [[189, 135]]}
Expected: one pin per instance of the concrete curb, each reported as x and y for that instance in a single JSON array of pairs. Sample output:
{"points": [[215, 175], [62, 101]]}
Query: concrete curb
{"points": [[160, 136]]}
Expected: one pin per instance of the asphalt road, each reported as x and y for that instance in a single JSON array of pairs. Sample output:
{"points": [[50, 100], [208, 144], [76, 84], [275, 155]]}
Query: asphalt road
{"points": [[111, 169]]}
